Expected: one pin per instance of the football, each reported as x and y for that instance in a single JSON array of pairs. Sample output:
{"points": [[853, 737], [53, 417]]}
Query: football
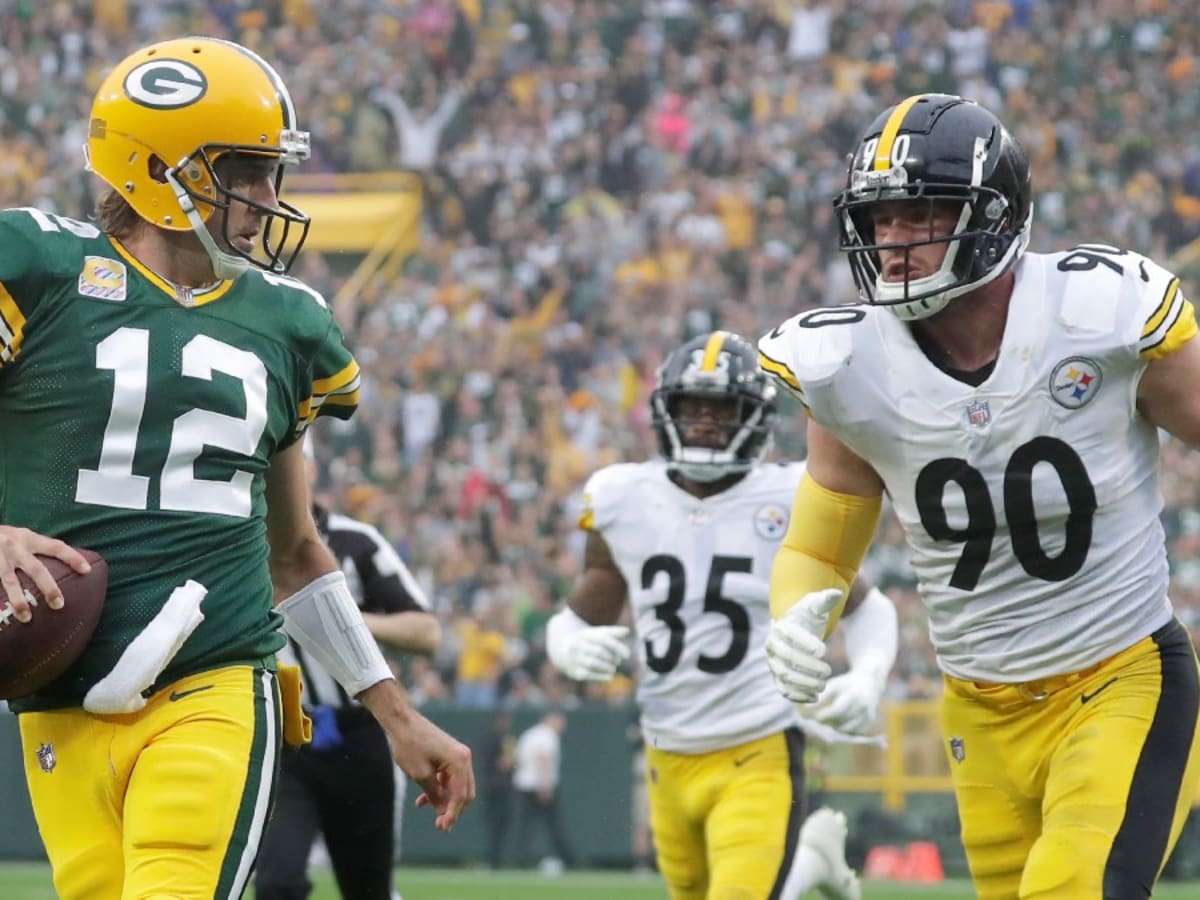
{"points": [[34, 653]]}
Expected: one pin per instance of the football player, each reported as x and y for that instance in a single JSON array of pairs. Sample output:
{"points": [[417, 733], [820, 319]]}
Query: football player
{"points": [[687, 540], [157, 373], [1008, 404]]}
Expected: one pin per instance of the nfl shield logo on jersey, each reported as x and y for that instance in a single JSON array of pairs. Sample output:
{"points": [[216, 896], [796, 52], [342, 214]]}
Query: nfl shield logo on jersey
{"points": [[979, 413], [958, 749], [771, 521], [46, 758]]}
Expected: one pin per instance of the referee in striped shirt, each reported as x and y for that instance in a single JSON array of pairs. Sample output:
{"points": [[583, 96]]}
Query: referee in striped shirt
{"points": [[342, 784]]}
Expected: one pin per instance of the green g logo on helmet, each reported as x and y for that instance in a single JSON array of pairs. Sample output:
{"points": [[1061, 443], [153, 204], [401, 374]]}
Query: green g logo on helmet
{"points": [[165, 84]]}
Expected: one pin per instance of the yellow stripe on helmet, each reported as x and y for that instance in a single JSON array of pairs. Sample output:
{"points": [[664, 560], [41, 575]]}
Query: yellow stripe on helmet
{"points": [[712, 350], [891, 128]]}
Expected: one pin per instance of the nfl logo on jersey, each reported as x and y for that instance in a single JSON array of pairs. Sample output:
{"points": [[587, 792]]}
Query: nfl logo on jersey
{"points": [[46, 758], [958, 749], [978, 413]]}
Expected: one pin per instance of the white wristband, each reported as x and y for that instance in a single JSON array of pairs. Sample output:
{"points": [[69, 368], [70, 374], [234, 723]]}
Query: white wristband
{"points": [[324, 620]]}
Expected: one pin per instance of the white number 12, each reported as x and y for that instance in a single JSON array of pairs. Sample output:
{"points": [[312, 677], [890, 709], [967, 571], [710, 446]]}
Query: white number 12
{"points": [[126, 352]]}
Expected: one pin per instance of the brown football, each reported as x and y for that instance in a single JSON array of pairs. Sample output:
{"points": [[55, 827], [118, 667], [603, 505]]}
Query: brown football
{"points": [[34, 653]]}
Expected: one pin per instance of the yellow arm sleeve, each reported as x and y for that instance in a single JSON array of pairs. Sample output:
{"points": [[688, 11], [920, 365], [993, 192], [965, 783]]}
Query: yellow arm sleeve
{"points": [[826, 541]]}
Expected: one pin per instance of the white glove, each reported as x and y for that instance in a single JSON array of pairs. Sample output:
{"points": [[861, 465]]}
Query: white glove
{"points": [[850, 702], [796, 646], [585, 652]]}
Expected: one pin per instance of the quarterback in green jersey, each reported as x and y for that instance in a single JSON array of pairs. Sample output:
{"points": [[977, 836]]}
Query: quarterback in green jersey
{"points": [[157, 372]]}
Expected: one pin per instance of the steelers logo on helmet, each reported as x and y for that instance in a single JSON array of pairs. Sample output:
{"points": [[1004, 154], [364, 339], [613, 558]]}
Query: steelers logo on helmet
{"points": [[165, 84], [713, 408]]}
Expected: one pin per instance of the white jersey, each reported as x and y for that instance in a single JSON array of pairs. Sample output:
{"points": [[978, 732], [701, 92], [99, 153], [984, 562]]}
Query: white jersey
{"points": [[1031, 502], [698, 572]]}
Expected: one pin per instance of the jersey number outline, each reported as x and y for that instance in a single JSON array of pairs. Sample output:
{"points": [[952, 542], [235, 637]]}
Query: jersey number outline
{"points": [[126, 352], [714, 602], [980, 528]]}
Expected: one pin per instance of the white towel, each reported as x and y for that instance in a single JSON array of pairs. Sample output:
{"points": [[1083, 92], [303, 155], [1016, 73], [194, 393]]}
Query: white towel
{"points": [[120, 691]]}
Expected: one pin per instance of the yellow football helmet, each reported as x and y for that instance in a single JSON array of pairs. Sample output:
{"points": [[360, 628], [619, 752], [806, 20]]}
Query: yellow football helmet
{"points": [[168, 112]]}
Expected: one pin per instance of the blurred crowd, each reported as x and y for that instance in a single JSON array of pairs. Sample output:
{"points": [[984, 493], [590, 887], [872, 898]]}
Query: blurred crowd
{"points": [[604, 179]]}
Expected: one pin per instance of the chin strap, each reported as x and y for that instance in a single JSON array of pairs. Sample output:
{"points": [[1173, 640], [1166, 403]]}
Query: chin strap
{"points": [[226, 266]]}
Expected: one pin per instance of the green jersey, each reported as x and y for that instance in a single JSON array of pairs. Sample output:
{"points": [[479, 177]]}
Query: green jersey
{"points": [[137, 419]]}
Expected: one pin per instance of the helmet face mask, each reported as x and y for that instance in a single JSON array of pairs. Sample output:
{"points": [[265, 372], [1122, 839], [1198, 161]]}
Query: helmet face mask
{"points": [[713, 409], [166, 117], [945, 152], [230, 170]]}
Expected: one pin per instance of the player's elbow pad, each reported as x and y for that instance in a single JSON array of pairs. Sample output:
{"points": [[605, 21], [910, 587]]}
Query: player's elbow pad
{"points": [[826, 541], [324, 620]]}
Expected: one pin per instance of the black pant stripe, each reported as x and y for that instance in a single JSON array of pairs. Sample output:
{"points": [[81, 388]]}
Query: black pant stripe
{"points": [[795, 745], [1140, 846]]}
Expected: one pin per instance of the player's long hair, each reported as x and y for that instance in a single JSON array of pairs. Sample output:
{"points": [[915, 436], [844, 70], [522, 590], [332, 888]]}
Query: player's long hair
{"points": [[114, 215]]}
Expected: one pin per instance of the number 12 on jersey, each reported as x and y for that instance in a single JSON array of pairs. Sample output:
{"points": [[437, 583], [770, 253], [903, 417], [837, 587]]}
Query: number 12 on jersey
{"points": [[126, 352]]}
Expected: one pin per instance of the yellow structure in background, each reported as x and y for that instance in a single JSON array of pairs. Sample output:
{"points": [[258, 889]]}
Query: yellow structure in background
{"points": [[912, 763], [376, 215]]}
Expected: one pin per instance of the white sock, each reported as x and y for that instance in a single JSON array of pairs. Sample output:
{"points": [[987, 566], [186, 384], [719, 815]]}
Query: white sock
{"points": [[808, 870]]}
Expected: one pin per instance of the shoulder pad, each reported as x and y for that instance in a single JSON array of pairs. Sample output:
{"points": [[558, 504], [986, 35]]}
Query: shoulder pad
{"points": [[293, 285], [810, 347], [37, 242], [780, 478], [605, 493], [1110, 290]]}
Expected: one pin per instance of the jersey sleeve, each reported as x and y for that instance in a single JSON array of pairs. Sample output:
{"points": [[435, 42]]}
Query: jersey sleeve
{"points": [[333, 387], [1166, 318], [774, 358], [22, 278], [602, 498]]}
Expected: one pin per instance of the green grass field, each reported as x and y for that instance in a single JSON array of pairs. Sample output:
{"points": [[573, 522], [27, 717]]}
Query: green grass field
{"points": [[22, 881]]}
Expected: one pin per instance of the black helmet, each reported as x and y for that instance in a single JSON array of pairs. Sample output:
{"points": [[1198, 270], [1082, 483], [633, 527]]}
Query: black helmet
{"points": [[717, 365], [939, 148]]}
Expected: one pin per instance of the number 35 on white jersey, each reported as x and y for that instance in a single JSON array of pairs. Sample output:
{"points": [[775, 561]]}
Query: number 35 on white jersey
{"points": [[697, 573], [1030, 502]]}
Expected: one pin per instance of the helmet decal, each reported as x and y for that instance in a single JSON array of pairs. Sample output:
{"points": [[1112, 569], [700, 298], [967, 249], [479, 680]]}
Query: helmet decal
{"points": [[165, 84]]}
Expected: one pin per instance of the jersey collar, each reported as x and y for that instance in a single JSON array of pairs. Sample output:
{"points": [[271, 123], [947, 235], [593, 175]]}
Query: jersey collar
{"points": [[184, 296]]}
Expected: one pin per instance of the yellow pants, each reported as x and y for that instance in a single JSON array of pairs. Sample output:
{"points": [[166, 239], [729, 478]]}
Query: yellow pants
{"points": [[726, 824], [167, 802], [1076, 788]]}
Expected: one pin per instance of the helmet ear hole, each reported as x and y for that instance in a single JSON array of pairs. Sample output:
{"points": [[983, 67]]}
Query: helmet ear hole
{"points": [[156, 168]]}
